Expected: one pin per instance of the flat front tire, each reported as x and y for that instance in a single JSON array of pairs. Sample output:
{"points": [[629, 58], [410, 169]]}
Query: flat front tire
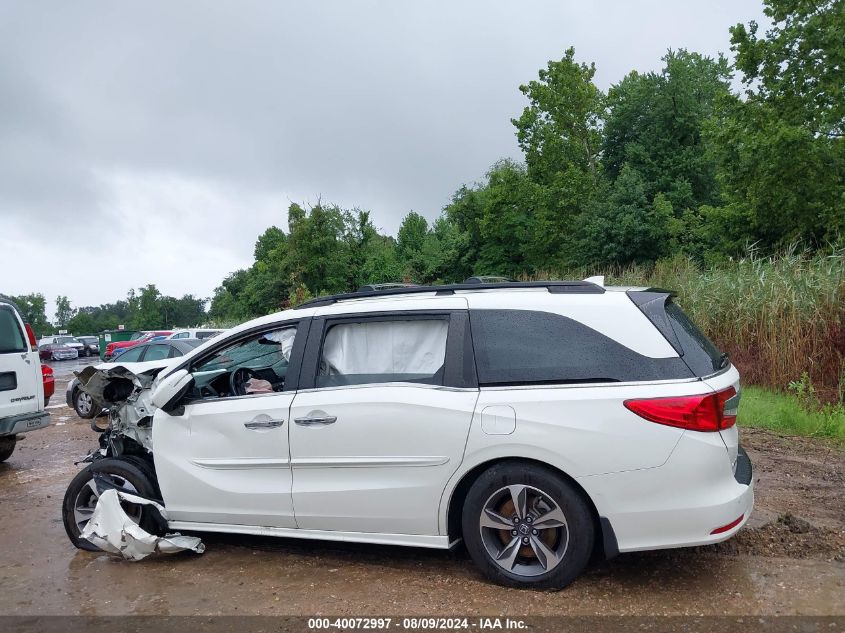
{"points": [[525, 525]]}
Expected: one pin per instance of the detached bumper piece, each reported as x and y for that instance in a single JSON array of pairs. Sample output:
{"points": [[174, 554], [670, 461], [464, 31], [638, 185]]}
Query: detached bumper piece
{"points": [[743, 472], [111, 529]]}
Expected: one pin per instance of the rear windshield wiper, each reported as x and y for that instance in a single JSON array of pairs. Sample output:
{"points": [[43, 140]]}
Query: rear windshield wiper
{"points": [[724, 360]]}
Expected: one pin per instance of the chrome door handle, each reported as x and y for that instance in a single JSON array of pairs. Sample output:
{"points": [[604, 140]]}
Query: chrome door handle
{"points": [[264, 424], [322, 420]]}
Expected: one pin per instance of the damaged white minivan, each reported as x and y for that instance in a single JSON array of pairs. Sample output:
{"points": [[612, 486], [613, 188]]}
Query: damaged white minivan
{"points": [[540, 423]]}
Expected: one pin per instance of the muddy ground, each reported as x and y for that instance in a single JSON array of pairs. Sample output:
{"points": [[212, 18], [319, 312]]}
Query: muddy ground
{"points": [[789, 560]]}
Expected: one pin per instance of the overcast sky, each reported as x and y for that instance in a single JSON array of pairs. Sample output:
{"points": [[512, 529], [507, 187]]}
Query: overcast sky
{"points": [[151, 142]]}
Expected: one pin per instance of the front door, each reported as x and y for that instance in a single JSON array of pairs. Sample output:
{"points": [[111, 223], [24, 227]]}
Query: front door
{"points": [[225, 459], [383, 424]]}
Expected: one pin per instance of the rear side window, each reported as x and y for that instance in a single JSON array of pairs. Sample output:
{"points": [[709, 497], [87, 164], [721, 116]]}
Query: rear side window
{"points": [[699, 352], [515, 347], [11, 336], [384, 351]]}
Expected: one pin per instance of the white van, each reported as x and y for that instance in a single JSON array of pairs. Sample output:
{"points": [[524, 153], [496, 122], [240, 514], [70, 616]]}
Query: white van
{"points": [[21, 383]]}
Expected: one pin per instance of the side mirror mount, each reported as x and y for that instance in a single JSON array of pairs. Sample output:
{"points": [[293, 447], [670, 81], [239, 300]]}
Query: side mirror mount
{"points": [[169, 392]]}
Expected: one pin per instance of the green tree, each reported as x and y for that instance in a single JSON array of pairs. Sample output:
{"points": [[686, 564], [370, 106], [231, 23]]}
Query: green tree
{"points": [[780, 150], [560, 134], [149, 314], [63, 311], [655, 124], [625, 227], [33, 309]]}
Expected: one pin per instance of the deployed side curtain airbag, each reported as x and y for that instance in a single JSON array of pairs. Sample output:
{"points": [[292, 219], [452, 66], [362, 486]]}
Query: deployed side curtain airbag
{"points": [[397, 348]]}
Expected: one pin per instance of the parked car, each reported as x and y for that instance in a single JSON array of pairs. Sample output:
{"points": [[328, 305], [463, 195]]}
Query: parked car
{"points": [[542, 423], [21, 380], [57, 351], [137, 338], [200, 333], [90, 345], [49, 383], [63, 339], [157, 352]]}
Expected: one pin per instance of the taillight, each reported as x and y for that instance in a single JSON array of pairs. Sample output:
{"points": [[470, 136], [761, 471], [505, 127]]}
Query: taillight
{"points": [[31, 336], [46, 371], [706, 412]]}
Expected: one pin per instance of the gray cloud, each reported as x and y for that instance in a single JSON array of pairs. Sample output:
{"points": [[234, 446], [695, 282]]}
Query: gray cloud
{"points": [[383, 105]]}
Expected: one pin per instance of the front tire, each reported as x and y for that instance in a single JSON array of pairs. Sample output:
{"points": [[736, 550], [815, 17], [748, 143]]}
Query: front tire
{"points": [[7, 447], [82, 495], [84, 405], [526, 526]]}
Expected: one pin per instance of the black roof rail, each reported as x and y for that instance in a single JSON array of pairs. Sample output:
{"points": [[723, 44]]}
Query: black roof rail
{"points": [[575, 287], [487, 279], [385, 286]]}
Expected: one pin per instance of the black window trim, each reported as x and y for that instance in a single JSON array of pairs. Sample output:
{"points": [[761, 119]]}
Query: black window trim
{"points": [[455, 375]]}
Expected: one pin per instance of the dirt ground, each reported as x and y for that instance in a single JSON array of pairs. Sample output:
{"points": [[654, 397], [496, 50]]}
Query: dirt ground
{"points": [[789, 560]]}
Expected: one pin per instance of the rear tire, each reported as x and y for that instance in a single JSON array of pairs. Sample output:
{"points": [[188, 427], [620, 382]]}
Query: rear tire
{"points": [[526, 526], [7, 447], [81, 496]]}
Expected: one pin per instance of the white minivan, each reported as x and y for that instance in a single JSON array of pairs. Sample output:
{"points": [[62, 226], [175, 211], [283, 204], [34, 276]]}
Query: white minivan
{"points": [[21, 381], [540, 423]]}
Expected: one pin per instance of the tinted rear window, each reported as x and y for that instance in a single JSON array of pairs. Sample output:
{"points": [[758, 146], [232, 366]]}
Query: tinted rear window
{"points": [[699, 352], [525, 346], [11, 336]]}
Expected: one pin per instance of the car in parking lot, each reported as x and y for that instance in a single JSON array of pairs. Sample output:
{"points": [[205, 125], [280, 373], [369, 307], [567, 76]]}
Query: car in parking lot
{"points": [[63, 339], [542, 423], [152, 354], [115, 348], [90, 345], [22, 381], [57, 351]]}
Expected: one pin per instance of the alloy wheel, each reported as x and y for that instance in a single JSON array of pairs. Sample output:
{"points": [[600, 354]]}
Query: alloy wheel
{"points": [[523, 530]]}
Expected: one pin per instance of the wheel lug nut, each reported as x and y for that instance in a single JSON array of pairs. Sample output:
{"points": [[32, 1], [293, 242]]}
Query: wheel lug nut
{"points": [[514, 532], [525, 540], [516, 520], [529, 519], [534, 532]]}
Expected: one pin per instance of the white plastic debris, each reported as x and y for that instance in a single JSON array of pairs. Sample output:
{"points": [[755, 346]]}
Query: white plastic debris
{"points": [[111, 529]]}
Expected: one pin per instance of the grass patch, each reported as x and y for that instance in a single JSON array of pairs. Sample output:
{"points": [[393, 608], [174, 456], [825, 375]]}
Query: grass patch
{"points": [[785, 413]]}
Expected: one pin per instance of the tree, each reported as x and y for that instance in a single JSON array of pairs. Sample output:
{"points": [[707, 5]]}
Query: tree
{"points": [[625, 227], [655, 124], [33, 309], [780, 150], [149, 315], [63, 311], [560, 134]]}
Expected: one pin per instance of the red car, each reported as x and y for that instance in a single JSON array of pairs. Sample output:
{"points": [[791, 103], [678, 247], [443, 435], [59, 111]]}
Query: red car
{"points": [[137, 338]]}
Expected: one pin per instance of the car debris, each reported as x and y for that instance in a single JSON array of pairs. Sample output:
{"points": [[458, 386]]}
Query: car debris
{"points": [[113, 531]]}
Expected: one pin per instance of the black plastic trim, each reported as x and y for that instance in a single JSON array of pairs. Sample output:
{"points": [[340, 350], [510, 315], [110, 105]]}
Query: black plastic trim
{"points": [[652, 303], [608, 536], [581, 287], [744, 472]]}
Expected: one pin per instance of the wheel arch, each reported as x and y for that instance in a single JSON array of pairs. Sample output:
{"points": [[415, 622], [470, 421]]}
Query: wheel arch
{"points": [[605, 544]]}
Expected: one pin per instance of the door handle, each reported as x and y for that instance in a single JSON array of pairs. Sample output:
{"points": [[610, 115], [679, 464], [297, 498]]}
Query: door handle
{"points": [[264, 424], [322, 420]]}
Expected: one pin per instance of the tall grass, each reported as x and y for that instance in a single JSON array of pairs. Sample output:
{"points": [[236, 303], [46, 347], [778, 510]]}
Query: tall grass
{"points": [[778, 317]]}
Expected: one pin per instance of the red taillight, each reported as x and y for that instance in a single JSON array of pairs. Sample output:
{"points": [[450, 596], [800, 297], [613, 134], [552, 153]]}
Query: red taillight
{"points": [[704, 412], [48, 380], [729, 526], [31, 336]]}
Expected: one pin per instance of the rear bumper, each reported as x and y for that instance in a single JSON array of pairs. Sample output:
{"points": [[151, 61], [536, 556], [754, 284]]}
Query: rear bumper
{"points": [[680, 503], [24, 423]]}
